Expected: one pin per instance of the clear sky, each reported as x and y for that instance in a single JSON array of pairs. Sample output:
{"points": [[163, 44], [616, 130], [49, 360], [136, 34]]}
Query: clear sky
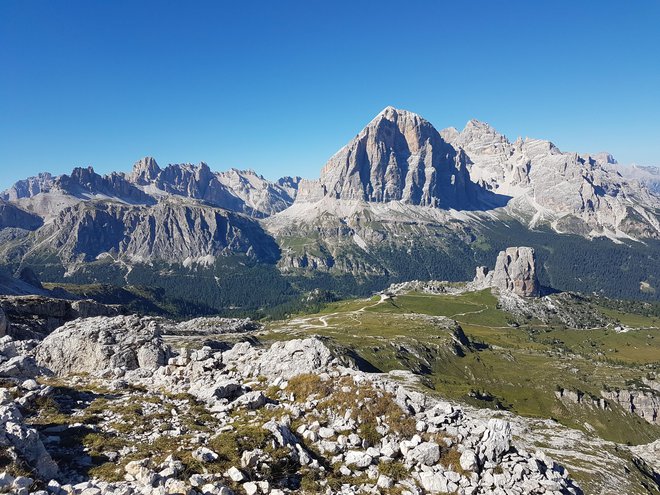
{"points": [[279, 86]]}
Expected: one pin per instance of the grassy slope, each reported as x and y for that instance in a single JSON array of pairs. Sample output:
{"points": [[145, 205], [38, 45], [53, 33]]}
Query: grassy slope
{"points": [[518, 368]]}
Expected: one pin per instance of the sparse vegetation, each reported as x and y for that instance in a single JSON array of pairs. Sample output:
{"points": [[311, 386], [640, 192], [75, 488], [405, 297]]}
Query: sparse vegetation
{"points": [[508, 366]]}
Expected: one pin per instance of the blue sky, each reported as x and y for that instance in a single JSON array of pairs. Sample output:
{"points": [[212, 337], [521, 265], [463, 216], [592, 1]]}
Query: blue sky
{"points": [[280, 86]]}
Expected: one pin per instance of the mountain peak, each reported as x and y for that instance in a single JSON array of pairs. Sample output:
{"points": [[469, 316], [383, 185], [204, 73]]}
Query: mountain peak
{"points": [[395, 114], [398, 156], [477, 124], [477, 132], [145, 170]]}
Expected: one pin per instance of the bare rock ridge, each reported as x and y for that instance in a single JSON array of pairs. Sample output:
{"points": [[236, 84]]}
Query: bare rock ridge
{"points": [[145, 171], [184, 233], [236, 190], [515, 272], [29, 187], [575, 193], [649, 176], [398, 156], [12, 216], [84, 182]]}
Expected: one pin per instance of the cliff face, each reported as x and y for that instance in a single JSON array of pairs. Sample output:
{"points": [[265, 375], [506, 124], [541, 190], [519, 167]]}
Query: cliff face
{"points": [[643, 403], [167, 231], [515, 271], [577, 193], [11, 216], [399, 156]]}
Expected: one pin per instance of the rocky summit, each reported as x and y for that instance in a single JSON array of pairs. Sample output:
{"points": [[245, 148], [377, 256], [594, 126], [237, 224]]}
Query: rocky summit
{"points": [[398, 156]]}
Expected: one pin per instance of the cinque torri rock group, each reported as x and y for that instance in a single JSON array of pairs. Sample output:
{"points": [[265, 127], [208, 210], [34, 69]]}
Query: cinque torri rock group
{"points": [[439, 312]]}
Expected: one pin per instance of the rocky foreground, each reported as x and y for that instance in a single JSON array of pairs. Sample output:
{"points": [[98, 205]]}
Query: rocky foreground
{"points": [[103, 406]]}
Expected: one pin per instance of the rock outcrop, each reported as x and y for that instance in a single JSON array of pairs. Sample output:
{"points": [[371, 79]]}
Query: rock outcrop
{"points": [[34, 317], [16, 359], [22, 443], [306, 415], [643, 403], [515, 272], [4, 324], [286, 359], [90, 345], [496, 441]]}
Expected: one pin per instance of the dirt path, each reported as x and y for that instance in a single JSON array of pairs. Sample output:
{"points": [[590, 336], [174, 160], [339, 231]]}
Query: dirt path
{"points": [[306, 323], [470, 312]]}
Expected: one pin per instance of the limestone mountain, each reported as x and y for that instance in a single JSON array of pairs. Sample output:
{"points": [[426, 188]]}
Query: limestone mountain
{"points": [[648, 176], [29, 187], [398, 156], [174, 231], [573, 193], [235, 190], [404, 201]]}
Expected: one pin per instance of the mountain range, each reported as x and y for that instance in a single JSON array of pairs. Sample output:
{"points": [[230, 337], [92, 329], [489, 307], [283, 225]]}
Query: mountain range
{"points": [[400, 200]]}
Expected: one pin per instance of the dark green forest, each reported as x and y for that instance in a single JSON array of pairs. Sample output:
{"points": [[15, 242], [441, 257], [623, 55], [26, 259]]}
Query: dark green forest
{"points": [[240, 286]]}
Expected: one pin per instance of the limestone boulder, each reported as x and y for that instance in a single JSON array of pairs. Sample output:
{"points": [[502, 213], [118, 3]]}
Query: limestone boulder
{"points": [[295, 357], [90, 345]]}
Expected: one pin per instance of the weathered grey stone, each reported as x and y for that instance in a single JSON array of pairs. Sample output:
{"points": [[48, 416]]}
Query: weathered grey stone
{"points": [[21, 367], [252, 400], [515, 271], [294, 357], [225, 388], [358, 459], [235, 474], [469, 461], [496, 440], [250, 458], [426, 453], [93, 344], [25, 442], [204, 454], [433, 482], [250, 488]]}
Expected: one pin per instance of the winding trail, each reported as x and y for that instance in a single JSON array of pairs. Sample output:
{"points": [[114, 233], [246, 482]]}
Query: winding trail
{"points": [[470, 312], [305, 323]]}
